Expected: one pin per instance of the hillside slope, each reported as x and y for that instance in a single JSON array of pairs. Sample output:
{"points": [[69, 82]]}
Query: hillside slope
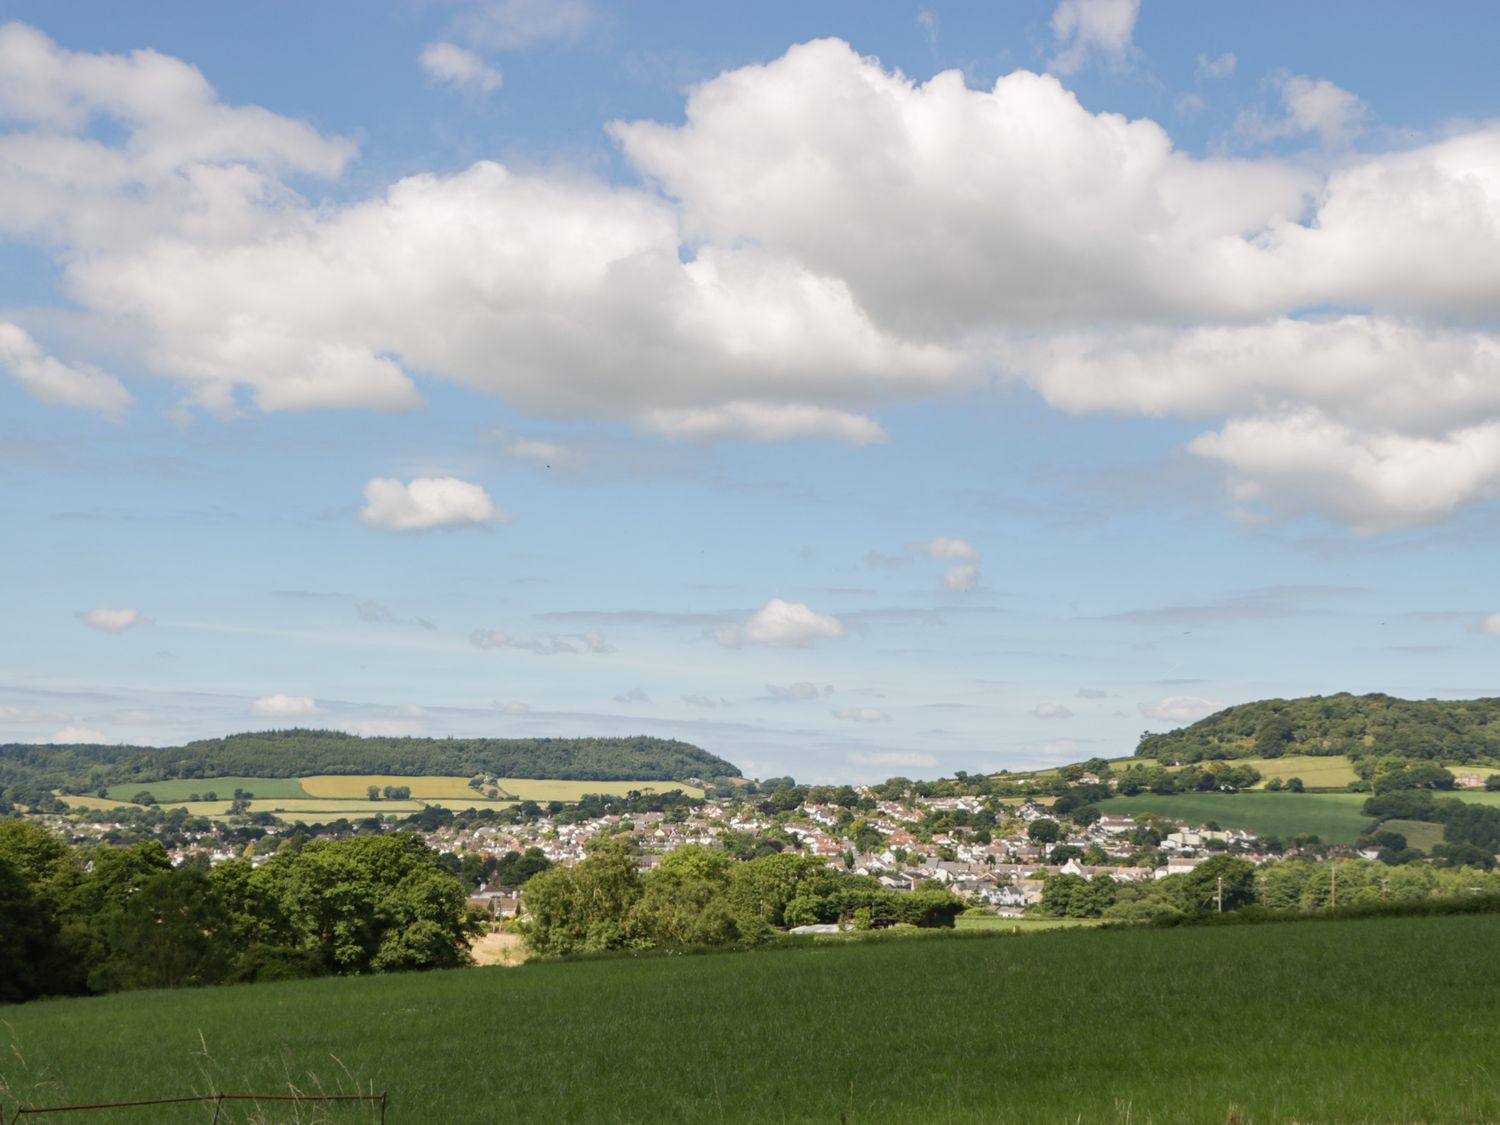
{"points": [[1456, 730], [299, 753]]}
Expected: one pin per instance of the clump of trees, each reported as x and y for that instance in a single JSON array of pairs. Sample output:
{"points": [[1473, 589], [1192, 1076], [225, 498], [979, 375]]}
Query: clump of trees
{"points": [[700, 896], [1460, 730], [101, 919]]}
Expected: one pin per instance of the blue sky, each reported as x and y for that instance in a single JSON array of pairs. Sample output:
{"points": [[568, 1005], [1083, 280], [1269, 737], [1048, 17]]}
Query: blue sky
{"points": [[849, 389]]}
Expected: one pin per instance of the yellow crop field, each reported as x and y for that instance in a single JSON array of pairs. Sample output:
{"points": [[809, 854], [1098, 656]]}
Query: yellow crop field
{"points": [[96, 803], [356, 785], [546, 789]]}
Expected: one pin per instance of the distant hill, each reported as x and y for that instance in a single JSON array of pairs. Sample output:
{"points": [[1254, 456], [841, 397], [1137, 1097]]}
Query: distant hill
{"points": [[299, 753], [1457, 730]]}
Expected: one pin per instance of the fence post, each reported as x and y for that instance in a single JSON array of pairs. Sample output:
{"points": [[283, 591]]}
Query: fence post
{"points": [[382, 1107], [218, 1105]]}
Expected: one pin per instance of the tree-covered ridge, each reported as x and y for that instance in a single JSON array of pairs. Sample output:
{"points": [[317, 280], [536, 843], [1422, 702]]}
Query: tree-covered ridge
{"points": [[298, 753], [1457, 730]]}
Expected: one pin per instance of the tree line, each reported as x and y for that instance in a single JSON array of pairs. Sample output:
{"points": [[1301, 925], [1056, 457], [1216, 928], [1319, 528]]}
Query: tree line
{"points": [[29, 773], [1459, 730], [79, 920], [702, 897]]}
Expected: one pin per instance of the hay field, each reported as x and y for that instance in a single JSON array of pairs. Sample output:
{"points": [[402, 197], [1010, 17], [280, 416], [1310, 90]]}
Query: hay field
{"points": [[356, 785]]}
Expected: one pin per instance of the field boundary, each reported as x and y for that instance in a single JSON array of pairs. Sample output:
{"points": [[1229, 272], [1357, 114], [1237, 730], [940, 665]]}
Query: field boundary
{"points": [[217, 1099]]}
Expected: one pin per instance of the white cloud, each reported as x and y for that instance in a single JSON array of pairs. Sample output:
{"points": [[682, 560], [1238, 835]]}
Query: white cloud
{"points": [[1052, 711], [426, 503], [963, 575], [702, 701], [75, 735], [517, 24], [760, 421], [459, 67], [862, 715], [111, 620], [1311, 106], [783, 624], [10, 713], [1491, 625], [1180, 708], [1086, 27], [1216, 67], [50, 380], [634, 695], [281, 706], [738, 292], [1303, 463]]}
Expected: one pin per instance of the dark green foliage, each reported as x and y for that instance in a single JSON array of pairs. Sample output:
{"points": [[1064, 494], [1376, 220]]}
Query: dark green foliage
{"points": [[1462, 730], [107, 919], [702, 897], [28, 773], [1469, 825]]}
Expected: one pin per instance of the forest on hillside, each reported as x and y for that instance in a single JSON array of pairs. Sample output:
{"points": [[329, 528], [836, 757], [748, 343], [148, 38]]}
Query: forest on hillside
{"points": [[299, 753], [1457, 730]]}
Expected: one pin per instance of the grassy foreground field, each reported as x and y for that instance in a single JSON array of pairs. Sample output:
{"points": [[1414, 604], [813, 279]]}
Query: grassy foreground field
{"points": [[1352, 1021]]}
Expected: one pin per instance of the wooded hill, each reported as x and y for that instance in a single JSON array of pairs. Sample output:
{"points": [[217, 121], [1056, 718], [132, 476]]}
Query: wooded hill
{"points": [[299, 753], [1457, 730]]}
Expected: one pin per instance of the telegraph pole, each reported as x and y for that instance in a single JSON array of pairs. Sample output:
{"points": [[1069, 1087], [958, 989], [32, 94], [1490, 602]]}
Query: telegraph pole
{"points": [[1221, 894]]}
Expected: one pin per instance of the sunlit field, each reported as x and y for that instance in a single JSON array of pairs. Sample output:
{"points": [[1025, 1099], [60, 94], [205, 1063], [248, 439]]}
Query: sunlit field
{"points": [[1321, 1021]]}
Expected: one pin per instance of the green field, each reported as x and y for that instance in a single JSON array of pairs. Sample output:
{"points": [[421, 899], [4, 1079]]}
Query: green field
{"points": [[354, 786], [178, 790], [1355, 1021], [993, 923], [1421, 834], [1333, 817]]}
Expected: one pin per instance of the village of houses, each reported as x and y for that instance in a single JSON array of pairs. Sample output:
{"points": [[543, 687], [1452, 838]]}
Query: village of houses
{"points": [[1005, 873]]}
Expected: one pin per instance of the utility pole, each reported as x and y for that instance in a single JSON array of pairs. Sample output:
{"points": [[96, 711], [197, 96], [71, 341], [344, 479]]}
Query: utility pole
{"points": [[1333, 883], [1221, 894]]}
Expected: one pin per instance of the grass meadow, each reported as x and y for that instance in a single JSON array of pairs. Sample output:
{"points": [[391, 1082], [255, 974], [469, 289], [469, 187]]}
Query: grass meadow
{"points": [[178, 790], [1346, 1021], [356, 785], [1333, 817]]}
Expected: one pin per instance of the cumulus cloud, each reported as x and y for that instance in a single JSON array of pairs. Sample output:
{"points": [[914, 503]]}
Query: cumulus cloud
{"points": [[634, 695], [734, 290], [280, 706], [963, 575], [1084, 28], [1491, 625], [1052, 711], [50, 380], [457, 66], [1180, 708], [862, 715], [1311, 106], [781, 624], [111, 620], [76, 735], [426, 503]]}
